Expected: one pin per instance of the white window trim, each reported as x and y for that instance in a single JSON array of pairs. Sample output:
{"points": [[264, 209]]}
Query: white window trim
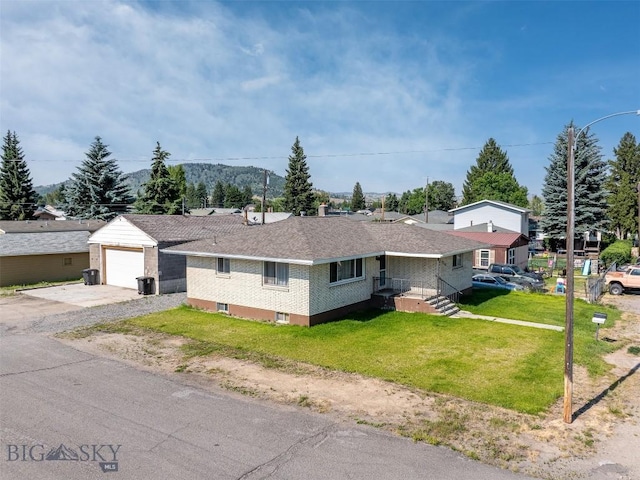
{"points": [[352, 279], [222, 273], [222, 307], [275, 286], [488, 252]]}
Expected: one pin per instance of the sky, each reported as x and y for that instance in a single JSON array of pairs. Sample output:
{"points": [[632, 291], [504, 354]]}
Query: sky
{"points": [[388, 94]]}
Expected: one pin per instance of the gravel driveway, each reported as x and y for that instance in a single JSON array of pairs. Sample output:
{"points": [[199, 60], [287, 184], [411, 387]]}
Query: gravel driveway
{"points": [[39, 321]]}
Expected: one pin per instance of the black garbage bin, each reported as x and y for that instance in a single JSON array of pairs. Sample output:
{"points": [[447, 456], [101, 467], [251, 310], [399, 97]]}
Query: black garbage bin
{"points": [[145, 285], [90, 276]]}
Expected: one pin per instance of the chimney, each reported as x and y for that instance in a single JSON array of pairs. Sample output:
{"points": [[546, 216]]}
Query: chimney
{"points": [[490, 226], [322, 210]]}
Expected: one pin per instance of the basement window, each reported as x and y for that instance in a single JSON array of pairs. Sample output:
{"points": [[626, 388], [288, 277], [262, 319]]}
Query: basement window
{"points": [[222, 307], [282, 317]]}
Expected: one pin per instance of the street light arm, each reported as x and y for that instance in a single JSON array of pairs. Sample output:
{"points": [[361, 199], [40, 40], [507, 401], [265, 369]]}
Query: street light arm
{"points": [[575, 139]]}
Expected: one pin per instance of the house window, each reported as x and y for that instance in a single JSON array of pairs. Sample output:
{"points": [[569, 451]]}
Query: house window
{"points": [[222, 307], [511, 256], [345, 270], [282, 317], [457, 261], [67, 261], [484, 258], [276, 274], [224, 266]]}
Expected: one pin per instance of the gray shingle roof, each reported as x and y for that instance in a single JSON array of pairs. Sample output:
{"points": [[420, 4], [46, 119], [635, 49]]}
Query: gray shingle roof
{"points": [[33, 226], [43, 243], [175, 228], [321, 239]]}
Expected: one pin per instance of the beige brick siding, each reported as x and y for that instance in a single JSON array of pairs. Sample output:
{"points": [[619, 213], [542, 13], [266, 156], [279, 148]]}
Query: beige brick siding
{"points": [[243, 286], [457, 277], [326, 297], [422, 272]]}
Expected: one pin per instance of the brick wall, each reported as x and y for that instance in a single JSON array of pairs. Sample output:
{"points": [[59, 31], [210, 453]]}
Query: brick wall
{"points": [[325, 297], [243, 286]]}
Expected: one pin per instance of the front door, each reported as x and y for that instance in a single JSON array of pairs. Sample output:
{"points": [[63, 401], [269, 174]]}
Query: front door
{"points": [[383, 271]]}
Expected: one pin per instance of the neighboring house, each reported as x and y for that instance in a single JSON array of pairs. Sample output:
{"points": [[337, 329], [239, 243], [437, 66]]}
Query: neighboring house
{"points": [[504, 215], [503, 246], [309, 270], [129, 247], [44, 251], [49, 213]]}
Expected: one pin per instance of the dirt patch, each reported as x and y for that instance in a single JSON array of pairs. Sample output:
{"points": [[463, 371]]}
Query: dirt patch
{"points": [[601, 443]]}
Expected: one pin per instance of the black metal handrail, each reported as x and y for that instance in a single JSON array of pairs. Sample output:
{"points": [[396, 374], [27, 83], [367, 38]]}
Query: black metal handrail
{"points": [[448, 291]]}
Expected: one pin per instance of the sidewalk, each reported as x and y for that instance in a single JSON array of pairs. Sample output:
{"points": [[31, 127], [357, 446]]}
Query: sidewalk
{"points": [[463, 314]]}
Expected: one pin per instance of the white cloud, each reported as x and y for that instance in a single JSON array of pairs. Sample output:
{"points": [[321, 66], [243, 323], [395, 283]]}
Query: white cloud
{"points": [[213, 81]]}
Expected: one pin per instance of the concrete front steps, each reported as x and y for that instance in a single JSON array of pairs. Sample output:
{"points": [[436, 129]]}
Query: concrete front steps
{"points": [[443, 305]]}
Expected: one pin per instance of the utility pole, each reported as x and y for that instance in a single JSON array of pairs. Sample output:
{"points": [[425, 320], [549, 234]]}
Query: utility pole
{"points": [[265, 181], [426, 203], [568, 329], [382, 218]]}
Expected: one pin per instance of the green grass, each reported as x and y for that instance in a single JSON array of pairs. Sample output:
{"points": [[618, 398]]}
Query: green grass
{"points": [[514, 367], [551, 310]]}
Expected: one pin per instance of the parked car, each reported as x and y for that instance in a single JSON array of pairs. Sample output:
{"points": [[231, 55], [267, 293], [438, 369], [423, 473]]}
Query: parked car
{"points": [[513, 273], [618, 282], [484, 280]]}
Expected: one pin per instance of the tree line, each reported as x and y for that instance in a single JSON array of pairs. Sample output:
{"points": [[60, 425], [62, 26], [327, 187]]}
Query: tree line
{"points": [[606, 191]]}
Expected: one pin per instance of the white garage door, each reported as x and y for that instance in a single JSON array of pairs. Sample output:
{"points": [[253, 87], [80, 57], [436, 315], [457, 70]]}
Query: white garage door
{"points": [[122, 267]]}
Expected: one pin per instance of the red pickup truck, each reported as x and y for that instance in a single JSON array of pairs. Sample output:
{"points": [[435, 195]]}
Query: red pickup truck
{"points": [[628, 279]]}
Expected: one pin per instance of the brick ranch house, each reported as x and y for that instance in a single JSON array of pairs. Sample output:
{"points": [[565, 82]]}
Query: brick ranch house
{"points": [[309, 270]]}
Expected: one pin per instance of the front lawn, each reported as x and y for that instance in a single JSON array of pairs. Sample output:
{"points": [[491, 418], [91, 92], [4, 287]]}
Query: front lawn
{"points": [[515, 367]]}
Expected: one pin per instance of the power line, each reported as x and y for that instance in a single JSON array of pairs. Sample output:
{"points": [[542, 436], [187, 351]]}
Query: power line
{"points": [[280, 157]]}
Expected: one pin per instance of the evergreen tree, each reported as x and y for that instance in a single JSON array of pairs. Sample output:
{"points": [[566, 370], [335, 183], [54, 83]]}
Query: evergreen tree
{"points": [[590, 196], [233, 197], [97, 189], [391, 203], [442, 196], [17, 196], [492, 160], [357, 198], [298, 193], [217, 196], [179, 177], [202, 196], [191, 195], [247, 196], [161, 194], [621, 184]]}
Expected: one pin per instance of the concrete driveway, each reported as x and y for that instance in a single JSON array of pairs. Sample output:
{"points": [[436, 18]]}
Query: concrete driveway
{"points": [[82, 295]]}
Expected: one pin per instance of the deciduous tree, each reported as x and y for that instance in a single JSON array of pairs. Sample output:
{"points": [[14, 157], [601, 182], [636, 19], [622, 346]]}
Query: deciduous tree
{"points": [[442, 196]]}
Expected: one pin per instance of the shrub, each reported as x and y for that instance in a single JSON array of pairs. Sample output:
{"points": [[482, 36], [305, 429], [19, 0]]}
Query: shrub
{"points": [[619, 252]]}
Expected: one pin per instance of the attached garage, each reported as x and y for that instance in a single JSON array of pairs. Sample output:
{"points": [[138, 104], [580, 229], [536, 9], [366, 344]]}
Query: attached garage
{"points": [[123, 266]]}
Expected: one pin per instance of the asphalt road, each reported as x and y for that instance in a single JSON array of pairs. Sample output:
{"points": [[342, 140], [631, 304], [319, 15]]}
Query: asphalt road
{"points": [[98, 418]]}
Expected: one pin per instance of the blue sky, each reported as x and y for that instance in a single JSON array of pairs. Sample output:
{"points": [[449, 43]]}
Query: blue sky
{"points": [[387, 94]]}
